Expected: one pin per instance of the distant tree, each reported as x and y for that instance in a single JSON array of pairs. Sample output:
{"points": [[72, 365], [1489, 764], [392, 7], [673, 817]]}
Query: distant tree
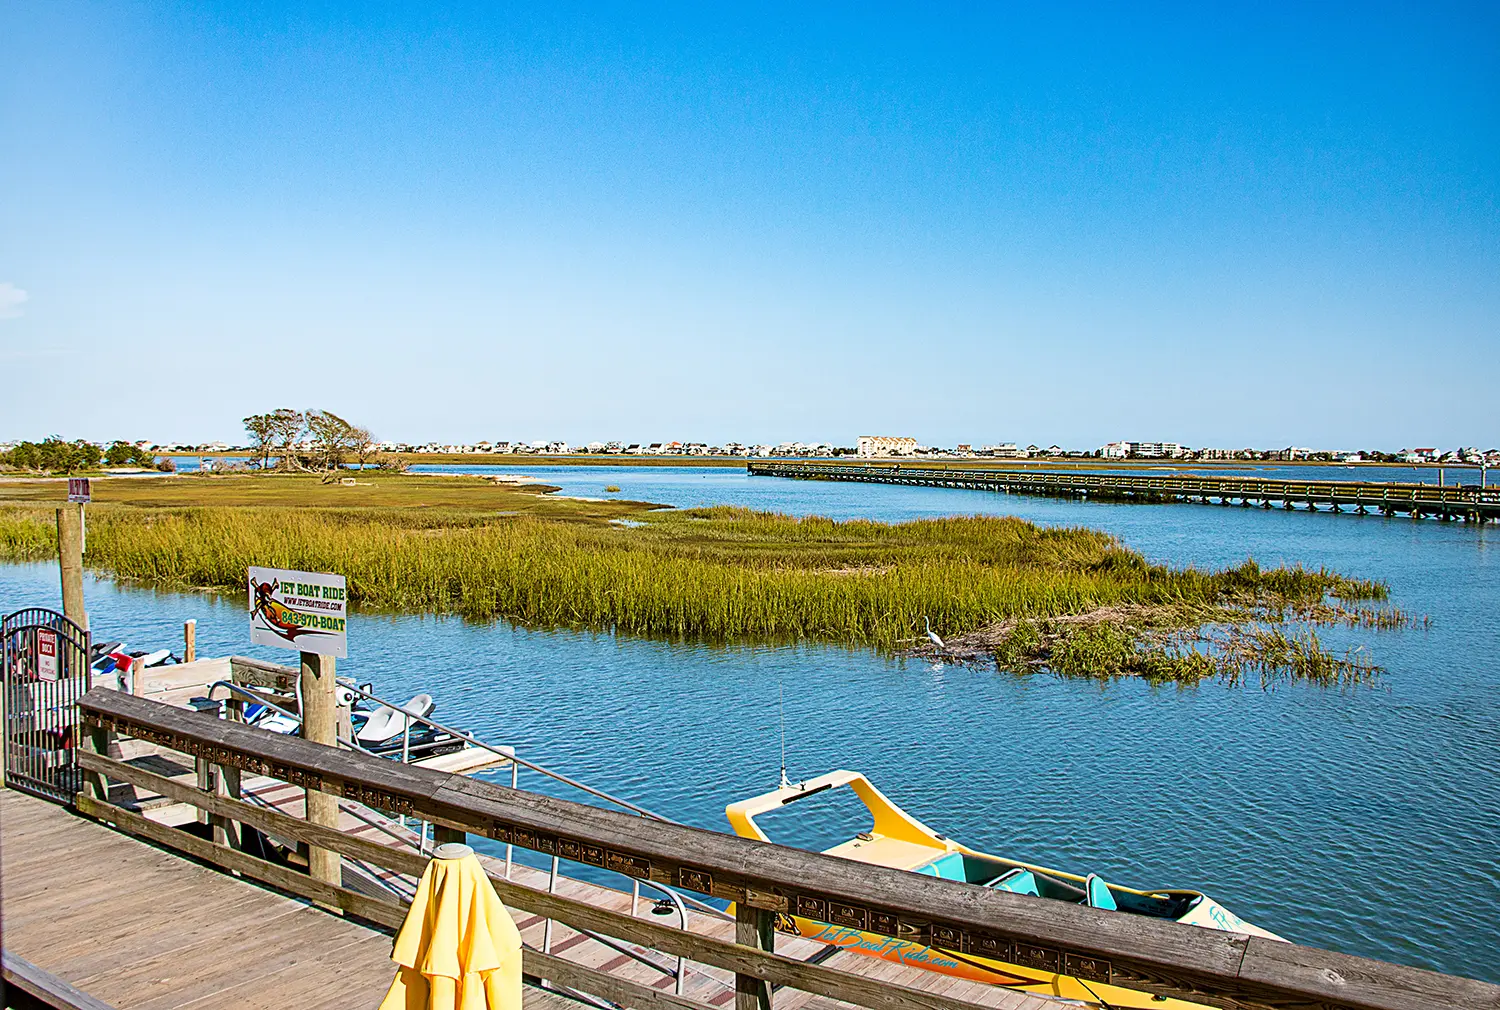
{"points": [[53, 455], [122, 453], [262, 430], [287, 425], [332, 438], [362, 444]]}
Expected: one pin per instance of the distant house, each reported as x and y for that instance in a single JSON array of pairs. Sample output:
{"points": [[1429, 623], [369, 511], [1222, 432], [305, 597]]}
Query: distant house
{"points": [[885, 445]]}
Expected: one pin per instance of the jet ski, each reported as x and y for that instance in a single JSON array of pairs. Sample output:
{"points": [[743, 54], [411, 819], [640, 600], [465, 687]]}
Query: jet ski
{"points": [[386, 724]]}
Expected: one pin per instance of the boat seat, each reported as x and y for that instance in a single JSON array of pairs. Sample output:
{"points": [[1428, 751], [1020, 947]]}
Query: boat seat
{"points": [[1016, 881], [1098, 893], [948, 867]]}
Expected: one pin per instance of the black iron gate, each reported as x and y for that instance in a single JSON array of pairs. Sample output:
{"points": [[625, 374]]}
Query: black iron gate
{"points": [[45, 670]]}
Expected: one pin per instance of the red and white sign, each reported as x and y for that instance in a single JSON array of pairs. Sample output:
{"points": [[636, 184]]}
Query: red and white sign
{"points": [[46, 654], [79, 489]]}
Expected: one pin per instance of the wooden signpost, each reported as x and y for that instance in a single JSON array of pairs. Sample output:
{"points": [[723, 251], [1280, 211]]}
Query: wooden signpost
{"points": [[306, 611]]}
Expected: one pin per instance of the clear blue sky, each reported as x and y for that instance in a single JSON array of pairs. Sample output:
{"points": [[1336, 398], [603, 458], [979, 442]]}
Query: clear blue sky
{"points": [[1218, 224]]}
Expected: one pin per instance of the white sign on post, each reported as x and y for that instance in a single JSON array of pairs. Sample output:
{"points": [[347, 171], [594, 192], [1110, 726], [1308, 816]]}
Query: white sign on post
{"points": [[46, 654], [304, 611]]}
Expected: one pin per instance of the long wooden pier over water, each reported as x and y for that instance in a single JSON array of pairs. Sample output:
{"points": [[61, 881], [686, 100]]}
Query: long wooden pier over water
{"points": [[1467, 502]]}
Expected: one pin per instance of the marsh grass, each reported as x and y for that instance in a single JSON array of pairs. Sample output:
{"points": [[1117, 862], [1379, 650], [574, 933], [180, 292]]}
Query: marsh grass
{"points": [[731, 574]]}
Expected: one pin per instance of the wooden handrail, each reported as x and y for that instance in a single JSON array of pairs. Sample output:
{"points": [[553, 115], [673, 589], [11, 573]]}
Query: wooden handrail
{"points": [[1486, 499], [27, 986], [775, 968], [1206, 966]]}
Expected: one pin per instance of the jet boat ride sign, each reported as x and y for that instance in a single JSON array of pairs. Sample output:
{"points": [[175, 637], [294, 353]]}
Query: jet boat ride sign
{"points": [[298, 610]]}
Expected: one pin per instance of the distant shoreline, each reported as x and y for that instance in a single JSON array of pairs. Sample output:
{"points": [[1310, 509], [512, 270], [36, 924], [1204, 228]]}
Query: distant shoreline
{"points": [[1072, 463]]}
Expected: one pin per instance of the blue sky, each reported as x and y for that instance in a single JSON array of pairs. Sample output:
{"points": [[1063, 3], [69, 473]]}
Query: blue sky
{"points": [[1261, 224]]}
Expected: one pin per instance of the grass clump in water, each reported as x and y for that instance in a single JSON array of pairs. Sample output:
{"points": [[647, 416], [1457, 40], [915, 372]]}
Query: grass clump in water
{"points": [[1072, 601]]}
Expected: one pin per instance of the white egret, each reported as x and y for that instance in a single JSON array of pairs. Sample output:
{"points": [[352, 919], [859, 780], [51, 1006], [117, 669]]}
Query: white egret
{"points": [[932, 636]]}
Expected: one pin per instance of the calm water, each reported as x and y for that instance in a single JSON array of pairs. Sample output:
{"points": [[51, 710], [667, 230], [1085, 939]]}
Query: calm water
{"points": [[1365, 821]]}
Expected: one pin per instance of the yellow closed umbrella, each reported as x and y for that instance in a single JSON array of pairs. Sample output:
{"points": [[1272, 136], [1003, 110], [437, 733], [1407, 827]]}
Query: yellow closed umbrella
{"points": [[458, 948]]}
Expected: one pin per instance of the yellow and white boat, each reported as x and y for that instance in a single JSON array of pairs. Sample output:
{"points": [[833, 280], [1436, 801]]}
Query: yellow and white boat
{"points": [[898, 840]]}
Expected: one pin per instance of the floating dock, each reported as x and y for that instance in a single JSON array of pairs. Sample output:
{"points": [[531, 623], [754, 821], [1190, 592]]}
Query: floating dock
{"points": [[1419, 501]]}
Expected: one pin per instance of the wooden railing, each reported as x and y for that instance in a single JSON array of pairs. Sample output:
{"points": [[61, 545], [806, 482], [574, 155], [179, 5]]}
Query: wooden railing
{"points": [[1467, 500], [1205, 966], [27, 987]]}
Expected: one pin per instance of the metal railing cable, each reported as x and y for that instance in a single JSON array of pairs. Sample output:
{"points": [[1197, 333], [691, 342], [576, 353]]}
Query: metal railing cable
{"points": [[510, 755], [507, 753]]}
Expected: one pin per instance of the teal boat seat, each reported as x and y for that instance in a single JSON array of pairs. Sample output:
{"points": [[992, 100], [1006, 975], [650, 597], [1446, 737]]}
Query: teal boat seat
{"points": [[949, 867], [1017, 881], [1098, 893]]}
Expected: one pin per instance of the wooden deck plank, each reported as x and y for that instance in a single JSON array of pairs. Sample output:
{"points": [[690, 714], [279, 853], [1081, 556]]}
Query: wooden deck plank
{"points": [[137, 926]]}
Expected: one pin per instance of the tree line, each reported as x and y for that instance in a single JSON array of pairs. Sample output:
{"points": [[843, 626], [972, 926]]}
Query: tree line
{"points": [[307, 440], [55, 455]]}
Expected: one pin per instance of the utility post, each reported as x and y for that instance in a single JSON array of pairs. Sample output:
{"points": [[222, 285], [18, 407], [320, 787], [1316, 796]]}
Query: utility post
{"points": [[320, 725], [70, 562]]}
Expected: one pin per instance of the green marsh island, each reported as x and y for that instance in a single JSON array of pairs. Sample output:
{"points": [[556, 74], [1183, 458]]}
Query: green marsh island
{"points": [[1002, 591]]}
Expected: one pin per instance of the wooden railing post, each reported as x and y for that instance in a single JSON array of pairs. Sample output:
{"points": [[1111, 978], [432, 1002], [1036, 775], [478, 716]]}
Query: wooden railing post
{"points": [[70, 562], [97, 740], [320, 725], [442, 835], [226, 831], [753, 927]]}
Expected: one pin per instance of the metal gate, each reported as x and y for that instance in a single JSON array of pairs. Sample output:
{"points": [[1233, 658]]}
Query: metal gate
{"points": [[46, 670]]}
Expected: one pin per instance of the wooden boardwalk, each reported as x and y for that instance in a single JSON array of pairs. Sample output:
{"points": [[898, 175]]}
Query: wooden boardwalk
{"points": [[1468, 502], [708, 985], [137, 926]]}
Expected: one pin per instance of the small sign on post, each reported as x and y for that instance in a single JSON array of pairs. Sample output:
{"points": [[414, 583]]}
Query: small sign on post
{"points": [[79, 490], [46, 654], [305, 611]]}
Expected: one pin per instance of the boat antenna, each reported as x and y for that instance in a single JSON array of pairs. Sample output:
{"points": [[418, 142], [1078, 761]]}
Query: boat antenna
{"points": [[781, 710]]}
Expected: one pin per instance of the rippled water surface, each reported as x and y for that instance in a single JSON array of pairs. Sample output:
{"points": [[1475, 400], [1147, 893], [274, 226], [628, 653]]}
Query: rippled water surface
{"points": [[1366, 821]]}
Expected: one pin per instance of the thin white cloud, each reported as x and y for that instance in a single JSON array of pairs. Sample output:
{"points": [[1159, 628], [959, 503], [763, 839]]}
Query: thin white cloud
{"points": [[11, 299]]}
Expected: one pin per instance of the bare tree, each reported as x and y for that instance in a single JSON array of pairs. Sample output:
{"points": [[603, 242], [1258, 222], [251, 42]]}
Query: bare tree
{"points": [[363, 444]]}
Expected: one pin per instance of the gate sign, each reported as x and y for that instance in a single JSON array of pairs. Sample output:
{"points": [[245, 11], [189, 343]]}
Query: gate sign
{"points": [[46, 654], [78, 489], [298, 610]]}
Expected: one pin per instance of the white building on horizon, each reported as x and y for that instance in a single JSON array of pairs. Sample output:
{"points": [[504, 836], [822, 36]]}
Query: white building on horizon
{"points": [[885, 445]]}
